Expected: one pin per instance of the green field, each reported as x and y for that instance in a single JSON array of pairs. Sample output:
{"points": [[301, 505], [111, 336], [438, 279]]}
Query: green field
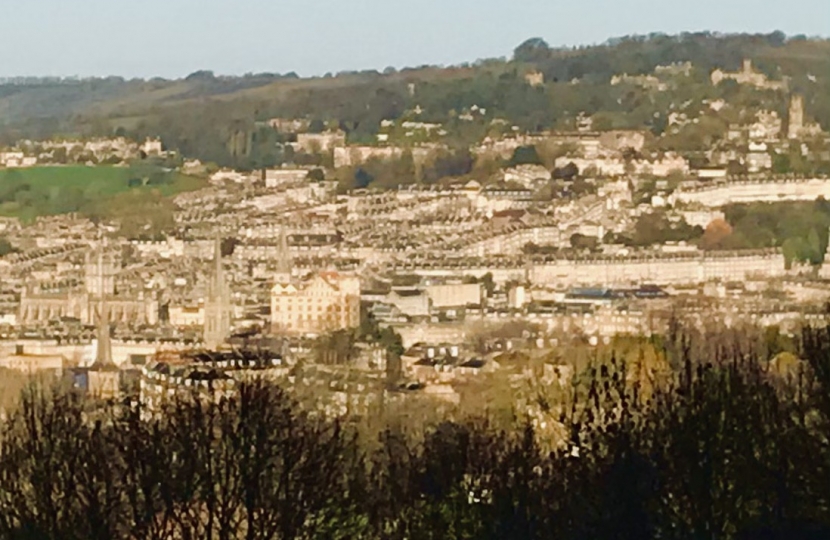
{"points": [[38, 191]]}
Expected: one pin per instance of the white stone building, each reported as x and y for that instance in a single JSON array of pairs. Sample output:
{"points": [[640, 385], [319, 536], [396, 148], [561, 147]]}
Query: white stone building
{"points": [[325, 302]]}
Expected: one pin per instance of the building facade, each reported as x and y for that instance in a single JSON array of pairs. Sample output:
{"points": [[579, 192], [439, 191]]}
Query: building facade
{"points": [[40, 307], [325, 302], [779, 190], [662, 270]]}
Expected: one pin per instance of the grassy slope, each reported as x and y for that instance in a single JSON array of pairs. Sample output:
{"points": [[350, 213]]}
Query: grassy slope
{"points": [[96, 184], [94, 180]]}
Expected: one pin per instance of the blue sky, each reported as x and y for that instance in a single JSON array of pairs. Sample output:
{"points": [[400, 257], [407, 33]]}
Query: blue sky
{"points": [[172, 38]]}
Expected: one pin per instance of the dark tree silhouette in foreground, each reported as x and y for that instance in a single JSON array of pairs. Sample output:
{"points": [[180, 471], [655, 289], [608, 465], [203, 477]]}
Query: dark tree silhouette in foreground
{"points": [[726, 447]]}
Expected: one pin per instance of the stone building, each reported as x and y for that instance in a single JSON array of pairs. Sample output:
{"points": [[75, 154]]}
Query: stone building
{"points": [[767, 190], [313, 143], [455, 295], [747, 76], [278, 177], [324, 302], [28, 363], [202, 377], [676, 269], [535, 78], [797, 127], [101, 269], [347, 156], [103, 377]]}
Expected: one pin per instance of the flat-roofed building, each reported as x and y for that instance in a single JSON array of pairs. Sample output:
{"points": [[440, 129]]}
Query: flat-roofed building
{"points": [[455, 295]]}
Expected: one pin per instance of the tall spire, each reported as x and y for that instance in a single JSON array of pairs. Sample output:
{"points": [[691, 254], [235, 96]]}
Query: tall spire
{"points": [[217, 258], [217, 303], [284, 263], [103, 353]]}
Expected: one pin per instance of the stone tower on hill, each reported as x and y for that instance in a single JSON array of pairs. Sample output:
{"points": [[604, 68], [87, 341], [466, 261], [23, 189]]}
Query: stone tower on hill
{"points": [[796, 117]]}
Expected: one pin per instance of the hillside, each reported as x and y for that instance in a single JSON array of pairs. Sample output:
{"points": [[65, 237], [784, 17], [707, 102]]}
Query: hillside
{"points": [[97, 192], [220, 119]]}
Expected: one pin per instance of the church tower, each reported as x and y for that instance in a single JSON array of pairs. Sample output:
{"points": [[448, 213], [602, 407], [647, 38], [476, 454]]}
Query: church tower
{"points": [[100, 269], [103, 375], [795, 123], [217, 304], [105, 275]]}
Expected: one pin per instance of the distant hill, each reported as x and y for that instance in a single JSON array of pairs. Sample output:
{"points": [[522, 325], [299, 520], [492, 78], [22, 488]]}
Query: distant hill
{"points": [[220, 119]]}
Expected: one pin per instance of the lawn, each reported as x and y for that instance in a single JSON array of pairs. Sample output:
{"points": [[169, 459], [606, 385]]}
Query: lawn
{"points": [[37, 191]]}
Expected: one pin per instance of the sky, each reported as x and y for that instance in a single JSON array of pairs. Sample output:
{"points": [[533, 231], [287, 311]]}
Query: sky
{"points": [[172, 38]]}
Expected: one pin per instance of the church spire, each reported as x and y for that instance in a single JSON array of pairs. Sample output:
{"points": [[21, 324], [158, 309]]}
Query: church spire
{"points": [[217, 303], [103, 353], [284, 263], [218, 275]]}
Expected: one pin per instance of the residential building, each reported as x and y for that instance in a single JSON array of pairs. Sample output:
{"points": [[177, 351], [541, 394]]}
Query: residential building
{"points": [[455, 295], [347, 156], [661, 270], [152, 147], [314, 143], [535, 78], [766, 190], [278, 177]]}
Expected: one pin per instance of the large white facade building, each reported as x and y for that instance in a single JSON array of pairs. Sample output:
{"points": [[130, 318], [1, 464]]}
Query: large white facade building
{"points": [[807, 189], [325, 302], [664, 270]]}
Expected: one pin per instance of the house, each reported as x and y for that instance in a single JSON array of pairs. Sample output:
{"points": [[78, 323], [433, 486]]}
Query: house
{"points": [[535, 78], [152, 147], [278, 177], [314, 143]]}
